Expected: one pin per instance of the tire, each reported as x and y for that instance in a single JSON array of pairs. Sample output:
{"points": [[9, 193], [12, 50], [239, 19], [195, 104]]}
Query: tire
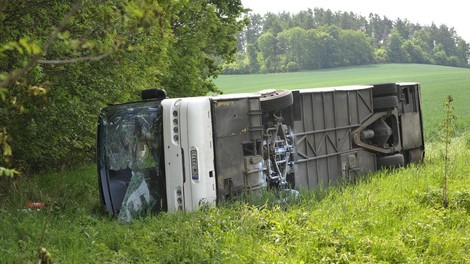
{"points": [[391, 161], [415, 155], [384, 89], [385, 102], [273, 100]]}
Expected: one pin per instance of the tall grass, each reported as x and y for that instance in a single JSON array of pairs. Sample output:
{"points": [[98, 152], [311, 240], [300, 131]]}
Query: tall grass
{"points": [[390, 216]]}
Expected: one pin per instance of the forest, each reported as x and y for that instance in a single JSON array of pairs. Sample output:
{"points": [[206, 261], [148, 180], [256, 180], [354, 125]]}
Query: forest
{"points": [[319, 38]]}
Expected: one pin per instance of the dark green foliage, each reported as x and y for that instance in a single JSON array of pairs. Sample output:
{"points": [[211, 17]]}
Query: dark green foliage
{"points": [[317, 39], [100, 52], [394, 50], [204, 38]]}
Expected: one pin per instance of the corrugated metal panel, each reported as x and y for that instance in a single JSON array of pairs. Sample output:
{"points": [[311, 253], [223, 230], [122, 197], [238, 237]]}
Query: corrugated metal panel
{"points": [[323, 134]]}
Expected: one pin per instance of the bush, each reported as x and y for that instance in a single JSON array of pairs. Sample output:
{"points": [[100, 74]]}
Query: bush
{"points": [[293, 66], [380, 56]]}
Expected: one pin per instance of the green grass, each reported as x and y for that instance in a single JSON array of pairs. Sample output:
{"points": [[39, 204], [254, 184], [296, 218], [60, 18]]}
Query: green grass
{"points": [[387, 217], [437, 83]]}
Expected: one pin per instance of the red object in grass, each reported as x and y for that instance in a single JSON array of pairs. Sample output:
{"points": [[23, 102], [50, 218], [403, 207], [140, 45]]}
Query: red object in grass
{"points": [[35, 205]]}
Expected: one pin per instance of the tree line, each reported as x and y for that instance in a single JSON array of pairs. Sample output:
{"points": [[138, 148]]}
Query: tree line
{"points": [[319, 38], [60, 62]]}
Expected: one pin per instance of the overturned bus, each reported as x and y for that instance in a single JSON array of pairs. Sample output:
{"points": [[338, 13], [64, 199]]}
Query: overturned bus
{"points": [[178, 153]]}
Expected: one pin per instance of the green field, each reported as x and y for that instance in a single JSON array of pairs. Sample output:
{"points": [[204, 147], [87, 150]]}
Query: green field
{"points": [[437, 83], [387, 217]]}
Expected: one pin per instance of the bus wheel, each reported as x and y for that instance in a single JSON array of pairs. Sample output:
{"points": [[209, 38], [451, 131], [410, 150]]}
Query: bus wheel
{"points": [[390, 161], [273, 100]]}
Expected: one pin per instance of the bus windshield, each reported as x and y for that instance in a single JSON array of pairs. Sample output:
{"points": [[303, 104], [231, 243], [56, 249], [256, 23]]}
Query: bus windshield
{"points": [[130, 160]]}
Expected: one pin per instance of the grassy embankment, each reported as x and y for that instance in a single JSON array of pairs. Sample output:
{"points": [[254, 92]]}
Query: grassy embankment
{"points": [[386, 217]]}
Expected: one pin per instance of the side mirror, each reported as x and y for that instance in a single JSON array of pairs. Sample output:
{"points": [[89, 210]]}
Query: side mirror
{"points": [[153, 93]]}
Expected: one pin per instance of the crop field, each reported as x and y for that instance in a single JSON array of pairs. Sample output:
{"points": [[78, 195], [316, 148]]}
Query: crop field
{"points": [[437, 82], [392, 216]]}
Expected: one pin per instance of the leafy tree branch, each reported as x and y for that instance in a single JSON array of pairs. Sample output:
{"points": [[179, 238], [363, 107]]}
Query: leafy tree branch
{"points": [[53, 37], [74, 60]]}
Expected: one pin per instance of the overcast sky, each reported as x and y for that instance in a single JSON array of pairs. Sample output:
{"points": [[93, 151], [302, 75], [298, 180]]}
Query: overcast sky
{"points": [[453, 13]]}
